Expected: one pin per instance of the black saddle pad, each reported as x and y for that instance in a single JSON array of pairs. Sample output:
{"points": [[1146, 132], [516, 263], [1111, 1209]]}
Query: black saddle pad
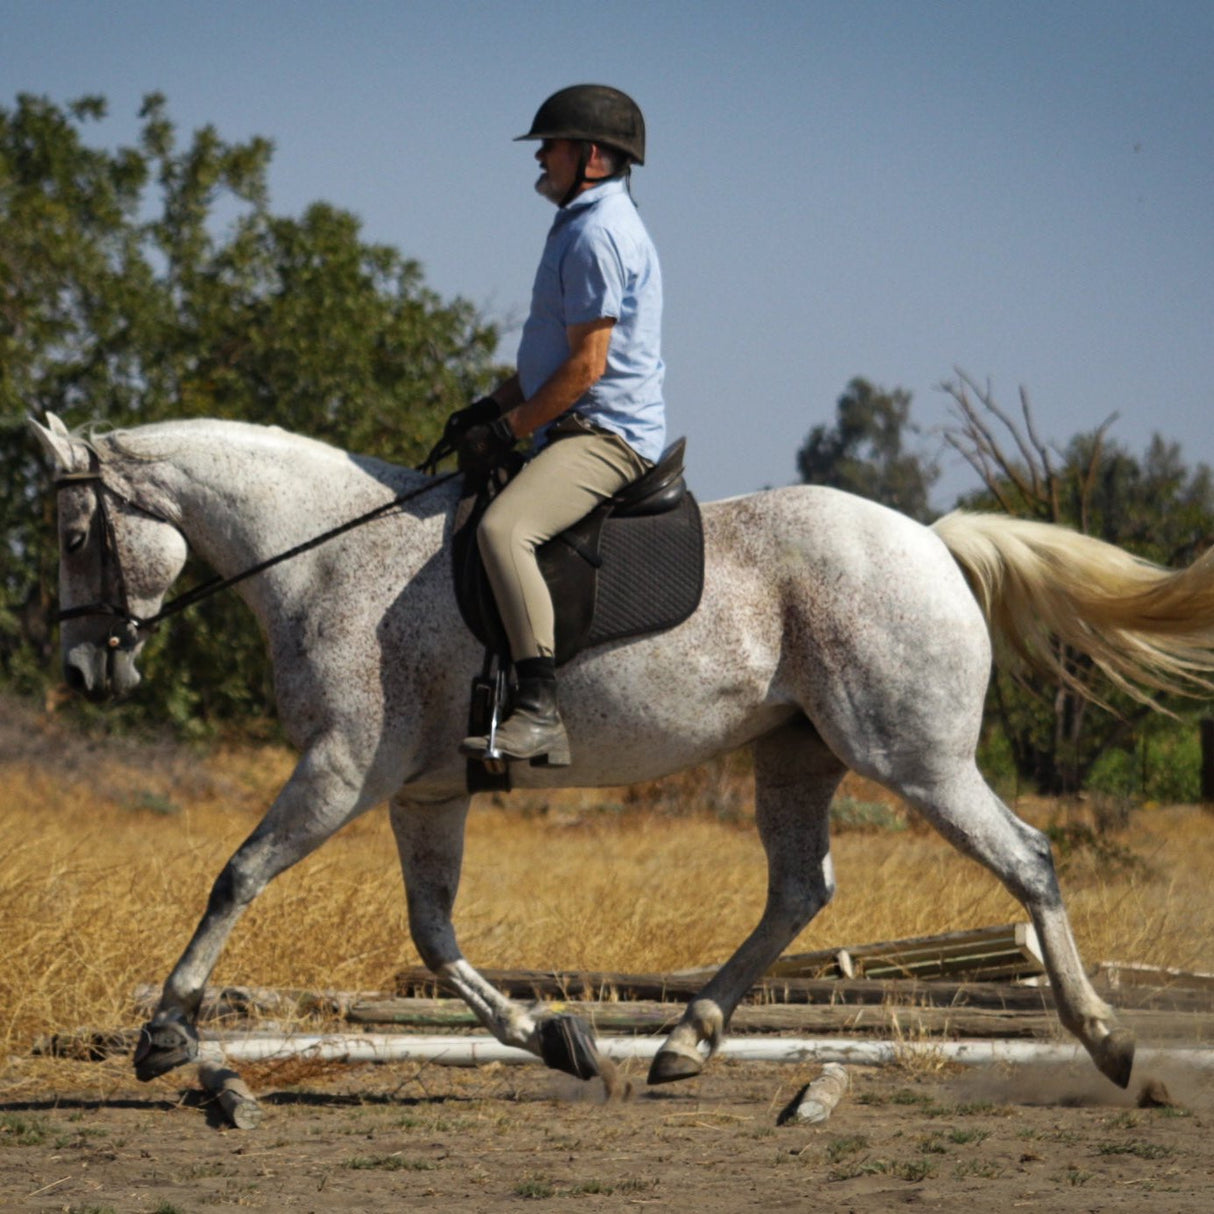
{"points": [[623, 571]]}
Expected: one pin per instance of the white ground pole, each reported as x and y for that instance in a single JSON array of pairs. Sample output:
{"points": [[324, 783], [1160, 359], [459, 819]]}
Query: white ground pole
{"points": [[475, 1050]]}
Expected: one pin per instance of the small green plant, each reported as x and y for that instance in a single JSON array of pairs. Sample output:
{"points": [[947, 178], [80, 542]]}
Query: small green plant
{"points": [[984, 1169], [906, 1096], [18, 1131], [841, 1148], [535, 1188], [388, 1163], [963, 1137], [913, 1169]]}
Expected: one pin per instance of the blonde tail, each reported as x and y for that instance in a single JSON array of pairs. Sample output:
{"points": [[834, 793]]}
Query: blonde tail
{"points": [[1148, 628]]}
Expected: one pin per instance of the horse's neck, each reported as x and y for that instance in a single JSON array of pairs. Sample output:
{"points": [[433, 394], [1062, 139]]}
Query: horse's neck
{"points": [[243, 494]]}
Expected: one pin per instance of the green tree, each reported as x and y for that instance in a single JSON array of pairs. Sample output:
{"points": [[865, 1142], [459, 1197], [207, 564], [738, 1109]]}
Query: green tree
{"points": [[125, 298], [1155, 507], [865, 451]]}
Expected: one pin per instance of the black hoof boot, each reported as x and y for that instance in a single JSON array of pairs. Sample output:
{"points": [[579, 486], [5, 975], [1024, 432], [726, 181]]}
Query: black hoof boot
{"points": [[669, 1066], [1114, 1055], [165, 1042], [566, 1044]]}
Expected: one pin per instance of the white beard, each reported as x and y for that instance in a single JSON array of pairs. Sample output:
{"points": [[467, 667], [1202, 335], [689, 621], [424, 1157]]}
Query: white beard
{"points": [[545, 188]]}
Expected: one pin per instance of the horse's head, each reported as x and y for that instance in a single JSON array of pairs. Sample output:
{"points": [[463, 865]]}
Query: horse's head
{"points": [[117, 558]]}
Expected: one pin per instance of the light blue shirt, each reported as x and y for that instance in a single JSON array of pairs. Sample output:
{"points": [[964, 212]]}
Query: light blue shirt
{"points": [[599, 262]]}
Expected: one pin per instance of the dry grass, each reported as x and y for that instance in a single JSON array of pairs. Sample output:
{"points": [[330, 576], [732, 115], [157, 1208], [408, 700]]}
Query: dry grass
{"points": [[108, 858]]}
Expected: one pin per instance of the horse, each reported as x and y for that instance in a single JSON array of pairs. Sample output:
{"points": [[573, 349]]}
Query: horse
{"points": [[833, 634]]}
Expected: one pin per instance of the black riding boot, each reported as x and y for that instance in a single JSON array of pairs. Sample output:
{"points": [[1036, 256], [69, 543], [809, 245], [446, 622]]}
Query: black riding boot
{"points": [[534, 729]]}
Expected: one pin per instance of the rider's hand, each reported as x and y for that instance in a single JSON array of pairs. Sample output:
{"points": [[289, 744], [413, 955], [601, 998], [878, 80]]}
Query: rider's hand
{"points": [[482, 448], [480, 413]]}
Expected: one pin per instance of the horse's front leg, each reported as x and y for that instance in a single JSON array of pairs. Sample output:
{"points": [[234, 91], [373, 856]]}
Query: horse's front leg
{"points": [[795, 778], [430, 838], [322, 794]]}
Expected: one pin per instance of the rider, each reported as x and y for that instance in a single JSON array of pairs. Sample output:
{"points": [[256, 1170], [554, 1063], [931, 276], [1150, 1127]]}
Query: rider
{"points": [[588, 387]]}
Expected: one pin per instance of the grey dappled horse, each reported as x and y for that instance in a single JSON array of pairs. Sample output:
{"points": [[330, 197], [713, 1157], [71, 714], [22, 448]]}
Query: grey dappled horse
{"points": [[833, 634]]}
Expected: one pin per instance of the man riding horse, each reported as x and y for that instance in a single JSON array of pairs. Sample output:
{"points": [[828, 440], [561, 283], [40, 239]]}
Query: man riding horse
{"points": [[588, 389]]}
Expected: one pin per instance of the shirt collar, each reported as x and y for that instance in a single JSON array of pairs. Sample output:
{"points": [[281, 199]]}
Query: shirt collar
{"points": [[587, 198]]}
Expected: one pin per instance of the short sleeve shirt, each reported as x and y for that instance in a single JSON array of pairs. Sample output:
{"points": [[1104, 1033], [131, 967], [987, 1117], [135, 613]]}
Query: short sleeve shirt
{"points": [[599, 262]]}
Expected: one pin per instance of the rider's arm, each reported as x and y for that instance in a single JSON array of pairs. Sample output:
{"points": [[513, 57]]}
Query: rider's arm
{"points": [[588, 346], [508, 394]]}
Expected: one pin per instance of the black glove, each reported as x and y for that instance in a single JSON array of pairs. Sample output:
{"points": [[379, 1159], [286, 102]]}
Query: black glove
{"points": [[482, 448], [479, 413]]}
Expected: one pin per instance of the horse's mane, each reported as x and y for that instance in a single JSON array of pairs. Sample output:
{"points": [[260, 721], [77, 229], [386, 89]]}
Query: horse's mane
{"points": [[157, 441], [130, 455]]}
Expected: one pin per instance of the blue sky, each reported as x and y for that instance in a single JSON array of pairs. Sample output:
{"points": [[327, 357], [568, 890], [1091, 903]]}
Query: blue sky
{"points": [[886, 189]]}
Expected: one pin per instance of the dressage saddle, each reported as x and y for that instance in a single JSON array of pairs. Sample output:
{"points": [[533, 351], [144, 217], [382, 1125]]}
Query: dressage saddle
{"points": [[634, 565]]}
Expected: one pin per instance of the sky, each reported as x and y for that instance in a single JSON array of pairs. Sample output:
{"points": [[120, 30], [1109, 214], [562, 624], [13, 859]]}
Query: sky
{"points": [[881, 188]]}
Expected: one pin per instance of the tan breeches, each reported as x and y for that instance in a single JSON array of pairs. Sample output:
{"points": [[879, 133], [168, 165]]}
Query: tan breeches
{"points": [[561, 485]]}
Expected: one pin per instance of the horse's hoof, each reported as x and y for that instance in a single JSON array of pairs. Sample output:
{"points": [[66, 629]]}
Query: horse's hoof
{"points": [[1114, 1055], [670, 1065], [164, 1043], [566, 1044]]}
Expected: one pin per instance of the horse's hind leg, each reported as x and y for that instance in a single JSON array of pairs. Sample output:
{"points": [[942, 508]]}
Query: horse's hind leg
{"points": [[795, 777], [430, 840], [965, 810]]}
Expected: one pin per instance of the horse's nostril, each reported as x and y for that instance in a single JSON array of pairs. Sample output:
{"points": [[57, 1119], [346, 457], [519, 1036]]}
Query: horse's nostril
{"points": [[75, 677]]}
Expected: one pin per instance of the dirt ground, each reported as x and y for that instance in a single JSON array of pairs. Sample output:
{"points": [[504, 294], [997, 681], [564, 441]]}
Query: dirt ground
{"points": [[489, 1139]]}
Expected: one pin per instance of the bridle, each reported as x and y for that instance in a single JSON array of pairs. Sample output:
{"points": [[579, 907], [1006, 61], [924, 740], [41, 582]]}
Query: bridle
{"points": [[128, 628], [114, 602]]}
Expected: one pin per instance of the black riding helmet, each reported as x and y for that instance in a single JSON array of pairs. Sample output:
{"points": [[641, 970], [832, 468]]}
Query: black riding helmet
{"points": [[592, 113], [595, 112]]}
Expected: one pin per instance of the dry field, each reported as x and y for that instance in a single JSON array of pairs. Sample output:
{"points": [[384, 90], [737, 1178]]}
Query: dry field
{"points": [[109, 849]]}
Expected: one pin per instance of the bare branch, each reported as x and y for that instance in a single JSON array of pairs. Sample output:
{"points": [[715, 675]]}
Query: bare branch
{"points": [[985, 472], [978, 443]]}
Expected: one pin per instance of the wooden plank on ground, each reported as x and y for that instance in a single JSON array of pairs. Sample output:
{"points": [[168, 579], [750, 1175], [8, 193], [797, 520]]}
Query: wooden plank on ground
{"points": [[86, 1045], [646, 1016], [987, 954], [1119, 974], [597, 986], [238, 1002]]}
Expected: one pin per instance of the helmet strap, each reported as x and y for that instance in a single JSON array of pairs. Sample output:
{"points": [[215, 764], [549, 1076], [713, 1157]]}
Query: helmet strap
{"points": [[580, 179]]}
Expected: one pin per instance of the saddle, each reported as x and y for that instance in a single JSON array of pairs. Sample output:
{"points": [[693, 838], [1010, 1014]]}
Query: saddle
{"points": [[633, 566]]}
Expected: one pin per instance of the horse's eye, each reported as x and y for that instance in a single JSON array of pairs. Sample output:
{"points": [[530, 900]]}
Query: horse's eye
{"points": [[75, 539]]}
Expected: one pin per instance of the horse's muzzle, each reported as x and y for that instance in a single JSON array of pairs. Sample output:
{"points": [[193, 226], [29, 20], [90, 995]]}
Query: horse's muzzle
{"points": [[100, 673]]}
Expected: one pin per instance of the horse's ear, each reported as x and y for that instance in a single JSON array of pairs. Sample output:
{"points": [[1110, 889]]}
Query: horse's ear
{"points": [[55, 442], [56, 425]]}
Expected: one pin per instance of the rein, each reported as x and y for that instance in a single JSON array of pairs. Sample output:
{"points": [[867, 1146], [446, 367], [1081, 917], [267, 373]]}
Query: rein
{"points": [[126, 633]]}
